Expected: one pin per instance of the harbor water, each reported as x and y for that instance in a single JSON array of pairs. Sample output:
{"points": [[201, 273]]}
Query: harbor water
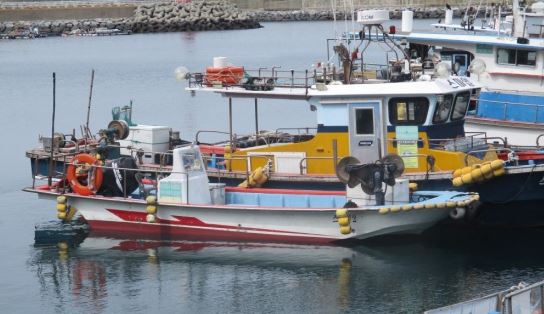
{"points": [[108, 275]]}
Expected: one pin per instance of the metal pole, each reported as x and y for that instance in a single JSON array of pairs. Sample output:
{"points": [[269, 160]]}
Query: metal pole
{"points": [[256, 123], [335, 152], [230, 130], [50, 179], [89, 105]]}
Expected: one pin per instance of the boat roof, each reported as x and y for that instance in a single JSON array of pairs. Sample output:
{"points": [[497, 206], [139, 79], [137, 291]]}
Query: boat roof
{"points": [[409, 88], [470, 39]]}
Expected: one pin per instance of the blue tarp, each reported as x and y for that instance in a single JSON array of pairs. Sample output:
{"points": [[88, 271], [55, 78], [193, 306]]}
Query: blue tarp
{"points": [[511, 107]]}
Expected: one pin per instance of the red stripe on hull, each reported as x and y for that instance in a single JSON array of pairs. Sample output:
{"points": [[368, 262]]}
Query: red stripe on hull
{"points": [[137, 217], [162, 231]]}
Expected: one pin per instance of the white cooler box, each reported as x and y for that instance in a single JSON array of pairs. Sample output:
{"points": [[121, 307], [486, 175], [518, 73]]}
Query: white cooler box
{"points": [[150, 138]]}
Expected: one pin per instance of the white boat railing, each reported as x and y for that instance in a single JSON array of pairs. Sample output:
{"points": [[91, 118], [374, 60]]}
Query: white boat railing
{"points": [[519, 299]]}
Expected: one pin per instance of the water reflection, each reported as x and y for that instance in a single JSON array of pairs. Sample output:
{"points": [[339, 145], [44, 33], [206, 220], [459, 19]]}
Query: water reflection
{"points": [[107, 274]]}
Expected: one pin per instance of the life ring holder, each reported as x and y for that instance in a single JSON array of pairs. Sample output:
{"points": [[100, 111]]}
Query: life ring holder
{"points": [[94, 179]]}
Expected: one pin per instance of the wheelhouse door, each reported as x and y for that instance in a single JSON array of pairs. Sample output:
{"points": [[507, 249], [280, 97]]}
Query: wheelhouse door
{"points": [[365, 131]]}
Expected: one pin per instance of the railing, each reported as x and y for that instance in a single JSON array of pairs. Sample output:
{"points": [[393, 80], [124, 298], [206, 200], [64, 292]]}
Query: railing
{"points": [[260, 79]]}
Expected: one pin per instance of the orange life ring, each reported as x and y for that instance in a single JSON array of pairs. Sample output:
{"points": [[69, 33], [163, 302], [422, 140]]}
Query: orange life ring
{"points": [[230, 75], [95, 180]]}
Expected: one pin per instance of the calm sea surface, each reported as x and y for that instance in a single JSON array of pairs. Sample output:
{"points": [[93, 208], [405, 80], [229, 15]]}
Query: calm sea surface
{"points": [[104, 275]]}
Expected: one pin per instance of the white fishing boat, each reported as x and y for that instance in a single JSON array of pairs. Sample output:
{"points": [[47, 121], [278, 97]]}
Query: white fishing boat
{"points": [[185, 204], [506, 59]]}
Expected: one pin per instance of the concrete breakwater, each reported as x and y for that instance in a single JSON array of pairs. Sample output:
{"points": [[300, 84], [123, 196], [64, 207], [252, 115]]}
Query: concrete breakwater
{"points": [[324, 15], [155, 17]]}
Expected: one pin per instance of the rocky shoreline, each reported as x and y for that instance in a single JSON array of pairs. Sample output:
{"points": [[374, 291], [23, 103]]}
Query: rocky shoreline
{"points": [[193, 16], [326, 15], [149, 18]]}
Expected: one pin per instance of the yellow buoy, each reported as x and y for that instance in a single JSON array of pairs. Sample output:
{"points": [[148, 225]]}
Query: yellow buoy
{"points": [[451, 204], [487, 172], [477, 175], [466, 170], [345, 229], [499, 172], [476, 197], [150, 218], [151, 209], [407, 207], [418, 206], [341, 212], [383, 210], [151, 199], [62, 245], [227, 149], [440, 205], [497, 164], [343, 221], [61, 199], [457, 172], [61, 215], [395, 209], [430, 205], [412, 186], [61, 207], [457, 182], [467, 178]]}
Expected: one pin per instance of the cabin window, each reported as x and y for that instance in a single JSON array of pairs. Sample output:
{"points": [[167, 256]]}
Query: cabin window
{"points": [[516, 57], [364, 121], [443, 107], [408, 111], [461, 105], [191, 161]]}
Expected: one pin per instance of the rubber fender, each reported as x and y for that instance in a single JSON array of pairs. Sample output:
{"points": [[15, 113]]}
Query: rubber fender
{"points": [[477, 175], [61, 215], [407, 207], [151, 199], [343, 221], [345, 230], [497, 164], [418, 206], [457, 182], [430, 205], [487, 172], [61, 207], [466, 170], [383, 210], [341, 212], [457, 172], [499, 172], [467, 178], [457, 213], [150, 218], [151, 209], [395, 209]]}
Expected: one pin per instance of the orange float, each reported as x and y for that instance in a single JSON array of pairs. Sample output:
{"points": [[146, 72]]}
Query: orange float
{"points": [[94, 181], [230, 75]]}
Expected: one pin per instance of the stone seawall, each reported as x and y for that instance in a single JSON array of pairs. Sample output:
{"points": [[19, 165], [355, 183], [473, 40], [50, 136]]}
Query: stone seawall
{"points": [[324, 15], [145, 18], [164, 17]]}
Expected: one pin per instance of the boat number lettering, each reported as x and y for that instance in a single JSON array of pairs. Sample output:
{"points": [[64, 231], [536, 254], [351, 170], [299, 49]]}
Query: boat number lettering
{"points": [[459, 81]]}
